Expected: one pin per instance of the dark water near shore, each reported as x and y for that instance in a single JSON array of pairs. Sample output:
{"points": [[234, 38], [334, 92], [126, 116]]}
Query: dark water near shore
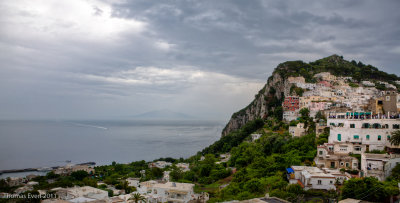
{"points": [[26, 144]]}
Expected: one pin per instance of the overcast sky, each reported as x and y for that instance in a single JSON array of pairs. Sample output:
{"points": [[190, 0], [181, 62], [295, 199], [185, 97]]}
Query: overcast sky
{"points": [[80, 59]]}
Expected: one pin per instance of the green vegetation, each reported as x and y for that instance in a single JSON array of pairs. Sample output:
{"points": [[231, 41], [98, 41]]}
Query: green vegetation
{"points": [[297, 90], [226, 143], [369, 188], [137, 198], [352, 84], [395, 138], [336, 65]]}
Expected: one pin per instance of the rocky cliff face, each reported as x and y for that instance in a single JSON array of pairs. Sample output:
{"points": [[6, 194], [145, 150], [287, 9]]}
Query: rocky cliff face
{"points": [[263, 104]]}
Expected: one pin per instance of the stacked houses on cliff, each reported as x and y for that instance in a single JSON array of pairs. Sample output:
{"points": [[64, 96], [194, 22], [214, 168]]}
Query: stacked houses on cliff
{"points": [[360, 119]]}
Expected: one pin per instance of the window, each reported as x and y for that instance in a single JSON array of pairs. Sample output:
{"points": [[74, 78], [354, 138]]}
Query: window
{"points": [[357, 148], [352, 125], [319, 182], [320, 152], [376, 125], [379, 138], [367, 137], [396, 126], [388, 137], [387, 98], [331, 182], [356, 137], [339, 137], [341, 163], [332, 164], [347, 164]]}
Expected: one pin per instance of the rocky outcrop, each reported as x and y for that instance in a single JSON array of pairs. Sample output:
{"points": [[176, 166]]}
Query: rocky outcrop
{"points": [[263, 104]]}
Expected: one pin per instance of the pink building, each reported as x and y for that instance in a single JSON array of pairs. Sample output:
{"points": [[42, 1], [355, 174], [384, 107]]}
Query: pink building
{"points": [[317, 106], [325, 83]]}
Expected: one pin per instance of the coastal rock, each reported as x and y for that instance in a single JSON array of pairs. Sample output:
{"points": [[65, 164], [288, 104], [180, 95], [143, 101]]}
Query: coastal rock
{"points": [[260, 107]]}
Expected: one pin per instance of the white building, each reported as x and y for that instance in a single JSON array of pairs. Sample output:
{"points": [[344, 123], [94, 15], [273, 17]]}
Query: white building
{"points": [[255, 137], [168, 192], [308, 86], [76, 192], [390, 86], [327, 158], [290, 115], [325, 76], [69, 168], [133, 182], [298, 130], [159, 164], [350, 134], [373, 165], [224, 158], [166, 176], [393, 162], [315, 178], [368, 83], [183, 166]]}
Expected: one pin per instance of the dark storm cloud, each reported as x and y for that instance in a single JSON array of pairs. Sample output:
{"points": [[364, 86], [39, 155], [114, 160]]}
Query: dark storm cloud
{"points": [[99, 59]]}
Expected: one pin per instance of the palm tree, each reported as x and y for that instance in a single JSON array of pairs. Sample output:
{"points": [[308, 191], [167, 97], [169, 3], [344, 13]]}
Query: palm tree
{"points": [[137, 198], [395, 139]]}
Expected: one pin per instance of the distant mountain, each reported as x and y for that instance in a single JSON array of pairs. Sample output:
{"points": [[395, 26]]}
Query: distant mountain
{"points": [[163, 115]]}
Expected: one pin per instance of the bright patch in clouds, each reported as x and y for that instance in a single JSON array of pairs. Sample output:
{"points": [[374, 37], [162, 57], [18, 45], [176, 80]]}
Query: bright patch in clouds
{"points": [[90, 19], [96, 58]]}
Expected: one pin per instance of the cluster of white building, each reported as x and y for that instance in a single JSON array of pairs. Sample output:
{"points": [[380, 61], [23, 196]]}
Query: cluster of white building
{"points": [[155, 192], [159, 164], [69, 168], [316, 178], [361, 120], [330, 92]]}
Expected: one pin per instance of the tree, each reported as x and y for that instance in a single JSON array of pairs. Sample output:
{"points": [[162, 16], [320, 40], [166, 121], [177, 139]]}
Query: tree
{"points": [[136, 197], [395, 138], [79, 175], [254, 186], [90, 182], [396, 173], [368, 188]]}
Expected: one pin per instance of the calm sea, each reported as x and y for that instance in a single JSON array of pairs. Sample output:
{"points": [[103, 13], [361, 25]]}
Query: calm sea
{"points": [[25, 144]]}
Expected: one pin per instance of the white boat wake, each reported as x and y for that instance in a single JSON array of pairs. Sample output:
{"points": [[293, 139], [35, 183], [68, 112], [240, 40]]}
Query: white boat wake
{"points": [[90, 126]]}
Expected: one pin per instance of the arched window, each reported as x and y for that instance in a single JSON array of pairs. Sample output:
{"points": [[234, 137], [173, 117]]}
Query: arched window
{"points": [[366, 125], [367, 137], [376, 125], [379, 137], [388, 137]]}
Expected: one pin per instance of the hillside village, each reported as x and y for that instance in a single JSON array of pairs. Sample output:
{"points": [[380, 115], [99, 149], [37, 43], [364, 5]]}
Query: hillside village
{"points": [[360, 120], [326, 136]]}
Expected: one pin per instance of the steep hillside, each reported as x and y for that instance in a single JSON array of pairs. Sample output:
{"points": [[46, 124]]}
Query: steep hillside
{"points": [[269, 99]]}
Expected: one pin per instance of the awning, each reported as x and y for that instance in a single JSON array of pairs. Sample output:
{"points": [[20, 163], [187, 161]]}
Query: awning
{"points": [[290, 170]]}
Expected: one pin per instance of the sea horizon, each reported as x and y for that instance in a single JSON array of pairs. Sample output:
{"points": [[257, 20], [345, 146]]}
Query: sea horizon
{"points": [[49, 143]]}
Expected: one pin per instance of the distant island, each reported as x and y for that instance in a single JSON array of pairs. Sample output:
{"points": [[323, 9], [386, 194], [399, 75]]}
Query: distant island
{"points": [[163, 115]]}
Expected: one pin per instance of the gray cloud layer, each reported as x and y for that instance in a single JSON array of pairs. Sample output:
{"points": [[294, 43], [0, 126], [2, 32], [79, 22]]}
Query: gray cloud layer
{"points": [[115, 58]]}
